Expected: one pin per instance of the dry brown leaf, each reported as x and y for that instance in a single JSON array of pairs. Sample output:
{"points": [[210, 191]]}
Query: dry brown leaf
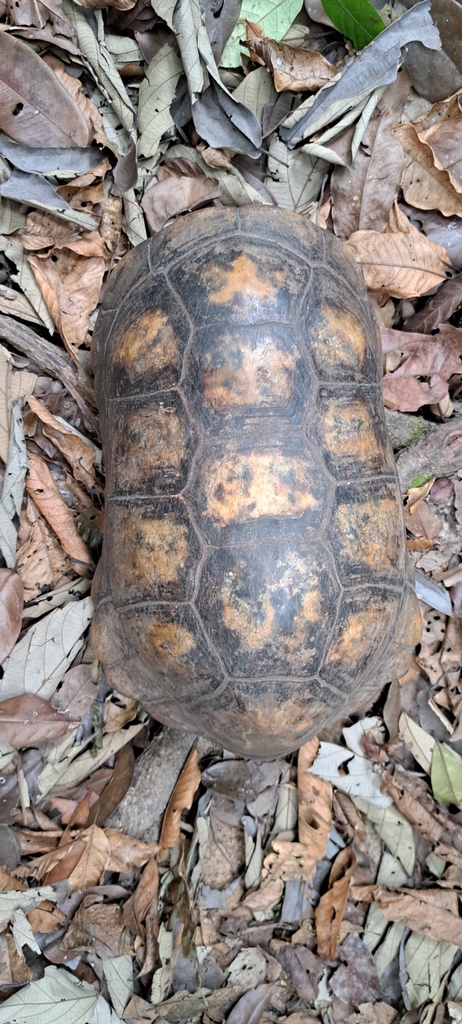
{"points": [[27, 720], [40, 560], [429, 825], [70, 285], [44, 231], [314, 812], [180, 800], [138, 905], [422, 522], [424, 185], [174, 195], [96, 928], [218, 158], [331, 906], [76, 693], [34, 104], [80, 455], [11, 605], [293, 68], [126, 852], [82, 861], [428, 911], [43, 490], [269, 893], [74, 89], [46, 917], [399, 261]]}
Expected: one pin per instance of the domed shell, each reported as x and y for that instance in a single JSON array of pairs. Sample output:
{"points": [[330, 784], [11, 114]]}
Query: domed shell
{"points": [[254, 584]]}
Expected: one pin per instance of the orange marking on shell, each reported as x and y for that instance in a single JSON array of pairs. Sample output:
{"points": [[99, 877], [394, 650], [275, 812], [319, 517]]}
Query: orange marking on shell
{"points": [[242, 279], [339, 337], [265, 376], [171, 641], [355, 637], [150, 344], [349, 431], [245, 487]]}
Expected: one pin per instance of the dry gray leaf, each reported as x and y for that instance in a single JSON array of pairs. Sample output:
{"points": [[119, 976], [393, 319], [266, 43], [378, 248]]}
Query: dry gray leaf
{"points": [[376, 66]]}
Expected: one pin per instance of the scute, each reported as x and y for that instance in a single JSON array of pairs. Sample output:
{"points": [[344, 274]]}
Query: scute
{"points": [[266, 605], [154, 550], [255, 585]]}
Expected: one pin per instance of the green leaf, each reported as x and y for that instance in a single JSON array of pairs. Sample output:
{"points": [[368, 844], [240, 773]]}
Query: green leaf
{"points": [[358, 20], [274, 17], [446, 775]]}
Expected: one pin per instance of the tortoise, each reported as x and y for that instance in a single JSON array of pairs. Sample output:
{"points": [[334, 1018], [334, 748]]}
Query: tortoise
{"points": [[254, 583]]}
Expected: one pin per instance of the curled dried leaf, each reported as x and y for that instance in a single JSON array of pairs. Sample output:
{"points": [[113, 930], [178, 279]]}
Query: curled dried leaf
{"points": [[181, 799]]}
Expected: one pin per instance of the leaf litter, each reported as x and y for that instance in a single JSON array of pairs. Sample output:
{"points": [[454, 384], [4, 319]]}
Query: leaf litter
{"points": [[324, 886]]}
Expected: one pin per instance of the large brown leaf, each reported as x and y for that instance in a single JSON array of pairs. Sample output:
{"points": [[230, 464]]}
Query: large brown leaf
{"points": [[43, 490], [331, 906], [425, 185], [40, 559], [80, 455], [399, 261], [11, 602], [27, 720], [181, 798], [293, 68], [70, 285], [431, 912], [34, 107]]}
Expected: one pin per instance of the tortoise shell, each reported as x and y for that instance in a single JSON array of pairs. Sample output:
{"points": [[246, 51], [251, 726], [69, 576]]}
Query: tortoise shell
{"points": [[254, 583]]}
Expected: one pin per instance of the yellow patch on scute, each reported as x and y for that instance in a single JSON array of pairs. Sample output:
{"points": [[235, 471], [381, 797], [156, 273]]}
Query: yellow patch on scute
{"points": [[349, 432], [151, 441], [155, 549], [239, 616], [170, 640], [246, 487], [264, 375], [241, 279], [339, 338], [149, 344], [369, 531]]}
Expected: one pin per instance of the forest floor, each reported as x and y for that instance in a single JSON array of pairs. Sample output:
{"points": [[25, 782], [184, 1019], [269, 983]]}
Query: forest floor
{"points": [[146, 874]]}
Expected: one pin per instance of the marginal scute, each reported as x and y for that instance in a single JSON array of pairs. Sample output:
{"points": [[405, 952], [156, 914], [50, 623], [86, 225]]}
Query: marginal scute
{"points": [[367, 533], [155, 551], [150, 448], [351, 434], [363, 627]]}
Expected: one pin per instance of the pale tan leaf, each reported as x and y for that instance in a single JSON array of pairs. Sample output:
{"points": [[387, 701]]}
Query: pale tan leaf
{"points": [[425, 185], [42, 488], [13, 384], [11, 605], [399, 261], [180, 800], [174, 195]]}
